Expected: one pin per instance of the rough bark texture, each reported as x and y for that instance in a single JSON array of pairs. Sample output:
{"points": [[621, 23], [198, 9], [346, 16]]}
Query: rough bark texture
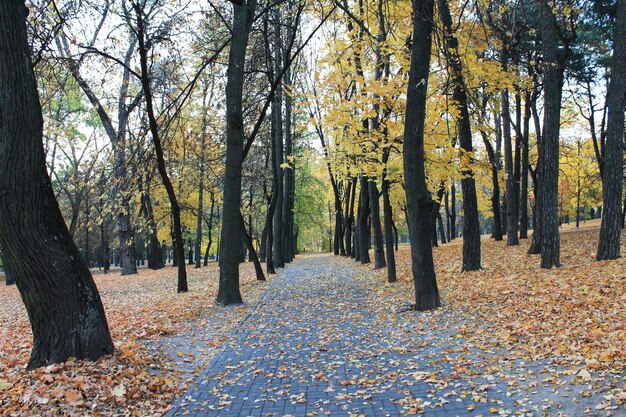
{"points": [[228, 292], [548, 180], [610, 230], [471, 225], [61, 298], [418, 198]]}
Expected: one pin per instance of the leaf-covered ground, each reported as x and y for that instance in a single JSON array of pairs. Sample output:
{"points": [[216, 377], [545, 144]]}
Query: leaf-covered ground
{"points": [[141, 378], [511, 339], [572, 318]]}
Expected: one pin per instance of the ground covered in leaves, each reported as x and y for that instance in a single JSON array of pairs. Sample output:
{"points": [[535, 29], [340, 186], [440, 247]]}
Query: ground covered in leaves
{"points": [[562, 329], [511, 339], [144, 375]]}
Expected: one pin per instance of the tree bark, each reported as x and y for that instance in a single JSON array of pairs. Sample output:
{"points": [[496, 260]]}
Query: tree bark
{"points": [[548, 179], [523, 206], [471, 225], [374, 198], [61, 298], [511, 197], [260, 276], [495, 195], [388, 219], [418, 198], [229, 292], [155, 257], [535, 244], [364, 210], [610, 229], [156, 140], [210, 229], [277, 118]]}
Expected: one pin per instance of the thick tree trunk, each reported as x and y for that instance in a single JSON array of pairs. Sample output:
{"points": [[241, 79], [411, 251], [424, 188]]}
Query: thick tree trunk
{"points": [[471, 225], [610, 229], [156, 140], [229, 292], [418, 198], [61, 298], [548, 179]]}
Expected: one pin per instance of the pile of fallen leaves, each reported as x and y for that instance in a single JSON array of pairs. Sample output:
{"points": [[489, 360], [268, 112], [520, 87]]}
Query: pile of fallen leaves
{"points": [[138, 379], [574, 315]]}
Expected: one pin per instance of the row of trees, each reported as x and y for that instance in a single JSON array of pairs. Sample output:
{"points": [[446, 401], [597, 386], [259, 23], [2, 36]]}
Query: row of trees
{"points": [[498, 83], [406, 102]]}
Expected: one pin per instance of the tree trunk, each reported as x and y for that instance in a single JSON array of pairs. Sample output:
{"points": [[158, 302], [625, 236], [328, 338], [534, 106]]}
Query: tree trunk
{"points": [[277, 118], [155, 257], [198, 245], [210, 229], [535, 244], [495, 195], [388, 219], [442, 233], [523, 206], [289, 203], [61, 298], [374, 197], [260, 276], [511, 197], [350, 242], [156, 140], [228, 292], [548, 179], [364, 210], [471, 225], [453, 210], [418, 198], [610, 229]]}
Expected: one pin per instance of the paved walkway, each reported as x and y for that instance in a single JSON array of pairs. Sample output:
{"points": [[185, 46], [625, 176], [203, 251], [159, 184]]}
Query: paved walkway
{"points": [[324, 340]]}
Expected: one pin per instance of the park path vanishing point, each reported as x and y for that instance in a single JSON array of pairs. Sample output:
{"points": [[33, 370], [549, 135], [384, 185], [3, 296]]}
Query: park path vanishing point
{"points": [[327, 339]]}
